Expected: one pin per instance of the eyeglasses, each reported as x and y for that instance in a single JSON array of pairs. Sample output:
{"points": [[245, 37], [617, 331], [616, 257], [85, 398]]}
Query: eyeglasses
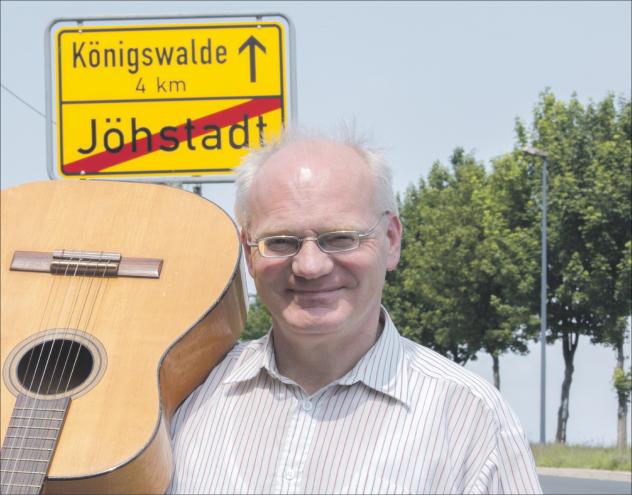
{"points": [[339, 241]]}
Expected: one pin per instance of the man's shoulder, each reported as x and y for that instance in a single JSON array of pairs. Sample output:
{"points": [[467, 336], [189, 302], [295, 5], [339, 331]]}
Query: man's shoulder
{"points": [[450, 376]]}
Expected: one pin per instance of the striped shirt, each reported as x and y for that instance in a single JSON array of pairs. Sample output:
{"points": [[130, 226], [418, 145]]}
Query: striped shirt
{"points": [[403, 420]]}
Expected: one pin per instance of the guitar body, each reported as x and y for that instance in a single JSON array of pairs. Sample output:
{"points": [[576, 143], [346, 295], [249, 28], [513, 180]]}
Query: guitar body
{"points": [[146, 342]]}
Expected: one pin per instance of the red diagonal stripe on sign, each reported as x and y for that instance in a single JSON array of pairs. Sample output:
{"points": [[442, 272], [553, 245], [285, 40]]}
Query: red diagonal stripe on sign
{"points": [[223, 118]]}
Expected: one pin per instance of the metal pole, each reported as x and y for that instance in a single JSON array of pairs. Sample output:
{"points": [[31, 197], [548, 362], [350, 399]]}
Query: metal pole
{"points": [[543, 287], [530, 150]]}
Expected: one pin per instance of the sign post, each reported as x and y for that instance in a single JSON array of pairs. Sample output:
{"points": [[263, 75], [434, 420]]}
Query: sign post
{"points": [[180, 101]]}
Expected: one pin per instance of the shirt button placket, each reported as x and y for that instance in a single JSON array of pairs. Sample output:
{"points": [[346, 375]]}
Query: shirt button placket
{"points": [[295, 447]]}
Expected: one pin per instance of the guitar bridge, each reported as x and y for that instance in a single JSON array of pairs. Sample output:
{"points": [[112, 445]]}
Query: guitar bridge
{"points": [[89, 263], [85, 263]]}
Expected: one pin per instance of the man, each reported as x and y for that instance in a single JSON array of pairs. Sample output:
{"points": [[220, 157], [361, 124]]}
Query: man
{"points": [[333, 400]]}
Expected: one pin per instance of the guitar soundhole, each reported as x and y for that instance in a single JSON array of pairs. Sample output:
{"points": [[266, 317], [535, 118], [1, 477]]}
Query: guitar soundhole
{"points": [[55, 363], [54, 367]]}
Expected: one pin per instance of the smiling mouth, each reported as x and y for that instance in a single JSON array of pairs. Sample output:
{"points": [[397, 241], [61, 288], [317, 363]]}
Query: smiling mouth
{"points": [[313, 292]]}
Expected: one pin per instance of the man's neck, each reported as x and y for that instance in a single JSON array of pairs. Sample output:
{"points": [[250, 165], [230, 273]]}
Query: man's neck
{"points": [[314, 363]]}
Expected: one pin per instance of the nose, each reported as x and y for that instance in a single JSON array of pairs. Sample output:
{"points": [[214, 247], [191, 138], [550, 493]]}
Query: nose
{"points": [[310, 262]]}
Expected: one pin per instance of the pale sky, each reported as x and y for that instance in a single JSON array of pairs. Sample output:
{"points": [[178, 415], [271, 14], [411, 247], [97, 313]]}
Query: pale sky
{"points": [[420, 78]]}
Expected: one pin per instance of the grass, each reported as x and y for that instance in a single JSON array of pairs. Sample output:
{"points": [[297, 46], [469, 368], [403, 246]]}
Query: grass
{"points": [[582, 456]]}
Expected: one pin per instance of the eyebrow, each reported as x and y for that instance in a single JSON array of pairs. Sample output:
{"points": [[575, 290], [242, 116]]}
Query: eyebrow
{"points": [[285, 231]]}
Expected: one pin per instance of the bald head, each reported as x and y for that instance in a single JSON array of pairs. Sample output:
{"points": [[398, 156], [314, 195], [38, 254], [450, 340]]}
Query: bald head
{"points": [[312, 172], [307, 164]]}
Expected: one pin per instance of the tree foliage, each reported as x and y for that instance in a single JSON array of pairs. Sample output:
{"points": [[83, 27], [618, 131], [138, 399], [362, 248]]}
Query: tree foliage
{"points": [[589, 222], [622, 381], [465, 279], [258, 322]]}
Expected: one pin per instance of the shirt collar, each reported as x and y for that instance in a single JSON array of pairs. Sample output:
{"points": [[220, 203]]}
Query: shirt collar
{"points": [[257, 355], [383, 368]]}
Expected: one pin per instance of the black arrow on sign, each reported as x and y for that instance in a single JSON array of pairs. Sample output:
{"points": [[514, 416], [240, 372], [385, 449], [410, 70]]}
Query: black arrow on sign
{"points": [[252, 43]]}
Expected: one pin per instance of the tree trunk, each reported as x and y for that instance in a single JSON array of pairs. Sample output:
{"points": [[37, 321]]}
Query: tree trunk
{"points": [[622, 410], [496, 368], [569, 346]]}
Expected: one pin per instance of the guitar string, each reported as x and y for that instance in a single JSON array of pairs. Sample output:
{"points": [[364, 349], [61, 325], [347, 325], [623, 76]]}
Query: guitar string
{"points": [[74, 330], [43, 373], [102, 282], [69, 329], [30, 406], [52, 294]]}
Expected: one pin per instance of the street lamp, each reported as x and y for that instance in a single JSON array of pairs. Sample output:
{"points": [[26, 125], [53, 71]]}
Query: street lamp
{"points": [[531, 151]]}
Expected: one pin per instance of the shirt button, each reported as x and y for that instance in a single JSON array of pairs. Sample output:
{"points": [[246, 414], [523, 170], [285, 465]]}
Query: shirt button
{"points": [[289, 474], [307, 405]]}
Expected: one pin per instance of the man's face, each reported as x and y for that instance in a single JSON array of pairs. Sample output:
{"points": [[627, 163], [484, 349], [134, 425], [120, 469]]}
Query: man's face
{"points": [[306, 189]]}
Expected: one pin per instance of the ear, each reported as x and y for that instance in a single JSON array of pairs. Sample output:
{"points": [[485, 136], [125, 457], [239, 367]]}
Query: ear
{"points": [[248, 251], [394, 239]]}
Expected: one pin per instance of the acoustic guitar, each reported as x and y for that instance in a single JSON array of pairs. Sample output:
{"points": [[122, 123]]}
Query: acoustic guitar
{"points": [[116, 301]]}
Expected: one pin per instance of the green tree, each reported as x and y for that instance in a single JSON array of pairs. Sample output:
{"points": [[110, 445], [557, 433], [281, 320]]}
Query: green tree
{"points": [[589, 223], [465, 278], [436, 257], [509, 254], [258, 322]]}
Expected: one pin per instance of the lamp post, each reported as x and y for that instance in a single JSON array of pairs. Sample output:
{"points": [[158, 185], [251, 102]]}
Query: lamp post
{"points": [[531, 151]]}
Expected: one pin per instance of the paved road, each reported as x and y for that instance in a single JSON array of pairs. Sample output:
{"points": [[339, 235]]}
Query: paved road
{"points": [[580, 486]]}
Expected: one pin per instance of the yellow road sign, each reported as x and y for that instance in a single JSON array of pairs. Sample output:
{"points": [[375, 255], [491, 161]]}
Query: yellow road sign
{"points": [[167, 100]]}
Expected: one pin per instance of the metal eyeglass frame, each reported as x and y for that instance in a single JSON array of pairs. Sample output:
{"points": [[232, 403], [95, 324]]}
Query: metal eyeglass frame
{"points": [[360, 235]]}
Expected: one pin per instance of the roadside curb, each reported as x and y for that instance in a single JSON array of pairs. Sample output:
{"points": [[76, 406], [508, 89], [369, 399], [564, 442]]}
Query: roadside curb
{"points": [[593, 474]]}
